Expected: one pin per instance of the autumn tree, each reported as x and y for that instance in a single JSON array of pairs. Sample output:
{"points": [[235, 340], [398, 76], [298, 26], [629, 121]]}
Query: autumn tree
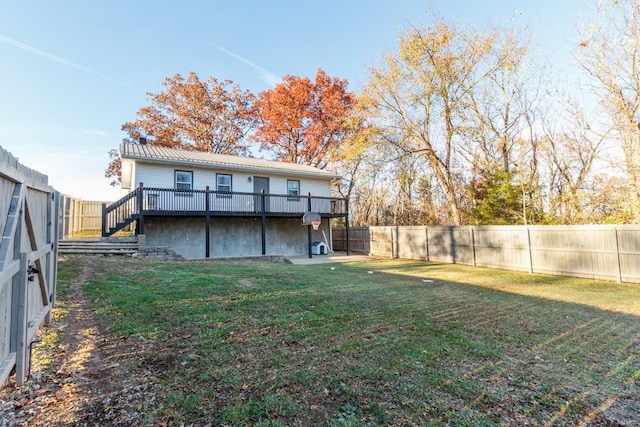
{"points": [[420, 95], [304, 122], [610, 54], [192, 114], [606, 200]]}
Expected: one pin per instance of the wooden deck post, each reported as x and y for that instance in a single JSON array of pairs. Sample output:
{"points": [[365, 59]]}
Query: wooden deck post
{"points": [[139, 208], [263, 221], [207, 223], [309, 226], [104, 220]]}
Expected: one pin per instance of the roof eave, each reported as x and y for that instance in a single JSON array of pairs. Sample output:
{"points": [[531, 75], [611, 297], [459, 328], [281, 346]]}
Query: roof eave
{"points": [[241, 168]]}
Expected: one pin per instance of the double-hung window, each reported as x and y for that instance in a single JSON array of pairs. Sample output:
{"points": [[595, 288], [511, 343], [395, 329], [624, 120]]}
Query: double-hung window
{"points": [[223, 184], [184, 182], [293, 190]]}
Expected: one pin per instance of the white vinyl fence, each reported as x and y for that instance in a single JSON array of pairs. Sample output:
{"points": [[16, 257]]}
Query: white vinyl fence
{"points": [[609, 252]]}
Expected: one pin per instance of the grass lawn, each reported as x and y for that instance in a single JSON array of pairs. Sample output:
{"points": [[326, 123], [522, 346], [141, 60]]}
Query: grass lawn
{"points": [[234, 343]]}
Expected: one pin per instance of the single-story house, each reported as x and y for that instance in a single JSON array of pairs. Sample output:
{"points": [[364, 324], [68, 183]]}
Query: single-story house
{"points": [[206, 205]]}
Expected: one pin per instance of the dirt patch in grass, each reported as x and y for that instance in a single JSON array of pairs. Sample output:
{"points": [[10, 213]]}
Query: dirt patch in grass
{"points": [[87, 376]]}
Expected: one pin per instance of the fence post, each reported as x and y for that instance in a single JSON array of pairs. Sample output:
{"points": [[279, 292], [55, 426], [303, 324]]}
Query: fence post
{"points": [[426, 240], [77, 216], [72, 216], [49, 260], [473, 245], [81, 214], [22, 318], [396, 245], [619, 279], [17, 283], [391, 238], [346, 223], [57, 206], [69, 214], [530, 250]]}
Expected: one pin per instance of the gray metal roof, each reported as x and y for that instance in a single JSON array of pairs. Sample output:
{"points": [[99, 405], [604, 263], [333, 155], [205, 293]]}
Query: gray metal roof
{"points": [[163, 155]]}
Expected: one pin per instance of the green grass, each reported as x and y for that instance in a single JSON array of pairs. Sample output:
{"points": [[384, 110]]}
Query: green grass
{"points": [[273, 344], [69, 270]]}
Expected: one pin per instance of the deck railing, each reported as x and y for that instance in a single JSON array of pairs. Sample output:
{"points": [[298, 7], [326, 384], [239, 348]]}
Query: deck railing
{"points": [[174, 202]]}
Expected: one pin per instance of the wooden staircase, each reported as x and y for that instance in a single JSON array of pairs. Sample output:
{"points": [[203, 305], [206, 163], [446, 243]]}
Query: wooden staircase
{"points": [[108, 246], [120, 214]]}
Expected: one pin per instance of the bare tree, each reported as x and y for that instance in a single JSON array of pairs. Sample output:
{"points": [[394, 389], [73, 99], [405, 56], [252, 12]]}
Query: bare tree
{"points": [[421, 98], [501, 104], [419, 94], [610, 54], [570, 152], [501, 130]]}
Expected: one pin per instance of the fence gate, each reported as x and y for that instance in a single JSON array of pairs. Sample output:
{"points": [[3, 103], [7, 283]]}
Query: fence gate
{"points": [[29, 210]]}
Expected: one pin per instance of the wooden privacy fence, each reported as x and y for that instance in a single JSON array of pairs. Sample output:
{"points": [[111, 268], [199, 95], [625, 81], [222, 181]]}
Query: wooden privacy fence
{"points": [[29, 210], [79, 215], [596, 251]]}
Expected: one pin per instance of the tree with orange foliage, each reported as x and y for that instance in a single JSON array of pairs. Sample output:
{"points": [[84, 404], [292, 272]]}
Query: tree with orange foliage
{"points": [[302, 121], [191, 114]]}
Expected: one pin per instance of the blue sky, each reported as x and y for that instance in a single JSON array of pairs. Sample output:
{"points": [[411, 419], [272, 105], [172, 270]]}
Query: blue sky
{"points": [[72, 72]]}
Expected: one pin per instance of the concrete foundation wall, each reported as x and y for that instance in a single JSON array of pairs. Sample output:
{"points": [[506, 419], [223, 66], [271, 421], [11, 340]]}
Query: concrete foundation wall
{"points": [[230, 237]]}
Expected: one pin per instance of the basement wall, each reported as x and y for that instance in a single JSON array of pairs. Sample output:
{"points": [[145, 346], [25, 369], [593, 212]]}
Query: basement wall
{"points": [[230, 237]]}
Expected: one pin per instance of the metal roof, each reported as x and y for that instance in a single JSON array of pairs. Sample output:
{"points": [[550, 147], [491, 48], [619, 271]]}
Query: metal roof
{"points": [[163, 155]]}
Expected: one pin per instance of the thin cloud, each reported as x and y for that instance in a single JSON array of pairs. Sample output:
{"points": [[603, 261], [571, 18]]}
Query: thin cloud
{"points": [[59, 60], [265, 75]]}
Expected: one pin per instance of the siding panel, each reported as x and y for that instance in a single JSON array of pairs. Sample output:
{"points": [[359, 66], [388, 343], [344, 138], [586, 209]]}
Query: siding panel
{"points": [[158, 176]]}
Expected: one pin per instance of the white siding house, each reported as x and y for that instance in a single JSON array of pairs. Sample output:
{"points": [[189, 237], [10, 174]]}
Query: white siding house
{"points": [[237, 206]]}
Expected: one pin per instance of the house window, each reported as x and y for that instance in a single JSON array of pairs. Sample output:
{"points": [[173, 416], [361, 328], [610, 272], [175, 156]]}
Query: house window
{"points": [[184, 181], [293, 190], [223, 184]]}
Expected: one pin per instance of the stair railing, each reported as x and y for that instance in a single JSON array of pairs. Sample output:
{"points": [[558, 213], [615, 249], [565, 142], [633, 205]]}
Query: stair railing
{"points": [[120, 213]]}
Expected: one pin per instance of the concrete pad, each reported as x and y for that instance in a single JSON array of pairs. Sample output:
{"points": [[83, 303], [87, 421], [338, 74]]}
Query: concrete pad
{"points": [[328, 259]]}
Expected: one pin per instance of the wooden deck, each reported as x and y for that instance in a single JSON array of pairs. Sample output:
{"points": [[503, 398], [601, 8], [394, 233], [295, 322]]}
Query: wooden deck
{"points": [[206, 203]]}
